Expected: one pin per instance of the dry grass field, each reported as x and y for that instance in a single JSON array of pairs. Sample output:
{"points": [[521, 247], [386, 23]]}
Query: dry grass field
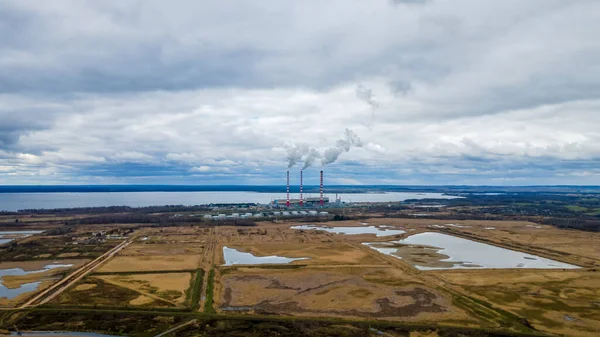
{"points": [[345, 279], [96, 292], [565, 302], [151, 263], [358, 292], [161, 249], [171, 287]]}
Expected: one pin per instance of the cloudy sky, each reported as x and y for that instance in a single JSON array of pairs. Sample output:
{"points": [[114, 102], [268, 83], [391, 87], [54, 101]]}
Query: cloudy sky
{"points": [[208, 92]]}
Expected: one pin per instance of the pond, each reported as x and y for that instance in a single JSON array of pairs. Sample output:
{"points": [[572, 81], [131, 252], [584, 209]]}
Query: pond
{"points": [[8, 236], [378, 231], [11, 293], [233, 256], [430, 251]]}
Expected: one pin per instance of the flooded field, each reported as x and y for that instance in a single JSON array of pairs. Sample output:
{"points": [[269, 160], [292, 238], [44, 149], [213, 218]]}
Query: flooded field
{"points": [[429, 251], [233, 256], [8, 236], [16, 290], [378, 231]]}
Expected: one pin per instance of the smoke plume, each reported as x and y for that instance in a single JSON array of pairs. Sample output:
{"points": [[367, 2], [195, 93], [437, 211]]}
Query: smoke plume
{"points": [[343, 145], [310, 158], [366, 95], [295, 154]]}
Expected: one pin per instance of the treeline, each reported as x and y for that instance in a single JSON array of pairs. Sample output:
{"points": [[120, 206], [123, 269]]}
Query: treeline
{"points": [[158, 219], [592, 225], [113, 209]]}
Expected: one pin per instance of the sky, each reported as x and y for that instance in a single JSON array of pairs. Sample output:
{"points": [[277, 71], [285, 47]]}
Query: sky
{"points": [[439, 92]]}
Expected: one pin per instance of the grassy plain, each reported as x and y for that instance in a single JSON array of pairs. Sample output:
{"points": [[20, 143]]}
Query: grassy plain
{"points": [[97, 292], [565, 302], [359, 292], [166, 268], [168, 286], [161, 249], [151, 263]]}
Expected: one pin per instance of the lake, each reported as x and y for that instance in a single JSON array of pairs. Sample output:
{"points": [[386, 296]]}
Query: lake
{"points": [[430, 251], [19, 201]]}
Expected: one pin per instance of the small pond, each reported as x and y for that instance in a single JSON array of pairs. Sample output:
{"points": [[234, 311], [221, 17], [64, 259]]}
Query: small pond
{"points": [[26, 287], [8, 236], [233, 256], [378, 231]]}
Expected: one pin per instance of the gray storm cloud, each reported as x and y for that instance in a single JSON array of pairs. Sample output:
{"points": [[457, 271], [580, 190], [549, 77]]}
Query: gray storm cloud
{"points": [[343, 145]]}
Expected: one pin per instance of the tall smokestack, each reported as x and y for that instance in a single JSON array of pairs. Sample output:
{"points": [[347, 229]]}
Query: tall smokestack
{"points": [[301, 200], [321, 188], [287, 190]]}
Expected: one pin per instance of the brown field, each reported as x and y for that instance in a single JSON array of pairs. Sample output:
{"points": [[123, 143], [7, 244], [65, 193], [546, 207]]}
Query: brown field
{"points": [[344, 279], [161, 249], [565, 302], [336, 253], [95, 292], [68, 255], [359, 292], [151, 263], [167, 286]]}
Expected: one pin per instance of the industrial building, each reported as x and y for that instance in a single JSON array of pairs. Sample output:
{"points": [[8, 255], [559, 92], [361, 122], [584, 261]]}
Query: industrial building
{"points": [[307, 202]]}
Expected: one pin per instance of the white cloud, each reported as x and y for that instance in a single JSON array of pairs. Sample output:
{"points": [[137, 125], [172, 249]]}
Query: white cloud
{"points": [[462, 88]]}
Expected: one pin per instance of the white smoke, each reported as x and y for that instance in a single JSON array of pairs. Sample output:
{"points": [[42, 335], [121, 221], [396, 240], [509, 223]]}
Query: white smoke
{"points": [[366, 95], [295, 153], [343, 145], [310, 158]]}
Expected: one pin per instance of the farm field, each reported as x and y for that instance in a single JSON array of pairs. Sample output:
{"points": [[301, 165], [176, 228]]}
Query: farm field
{"points": [[121, 264], [565, 302], [357, 292], [314, 271]]}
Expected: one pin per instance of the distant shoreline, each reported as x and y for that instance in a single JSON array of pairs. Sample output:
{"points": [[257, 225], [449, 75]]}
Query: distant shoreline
{"points": [[294, 189]]}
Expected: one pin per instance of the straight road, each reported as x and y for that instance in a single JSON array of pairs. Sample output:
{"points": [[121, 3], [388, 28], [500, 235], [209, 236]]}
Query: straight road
{"points": [[60, 286]]}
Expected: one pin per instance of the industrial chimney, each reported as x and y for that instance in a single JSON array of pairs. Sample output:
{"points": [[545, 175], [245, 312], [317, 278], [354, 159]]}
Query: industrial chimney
{"points": [[321, 189], [287, 190], [301, 200]]}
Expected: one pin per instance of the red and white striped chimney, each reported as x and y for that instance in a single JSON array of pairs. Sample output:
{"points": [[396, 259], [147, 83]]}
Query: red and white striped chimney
{"points": [[301, 200], [287, 190], [321, 188]]}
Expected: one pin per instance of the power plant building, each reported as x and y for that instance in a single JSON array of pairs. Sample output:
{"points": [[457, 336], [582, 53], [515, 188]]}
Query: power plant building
{"points": [[307, 202]]}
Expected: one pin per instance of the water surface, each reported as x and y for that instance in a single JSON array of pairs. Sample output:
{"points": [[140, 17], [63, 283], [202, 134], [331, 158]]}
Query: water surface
{"points": [[19, 201], [461, 253], [353, 230], [233, 256], [26, 287], [4, 234]]}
